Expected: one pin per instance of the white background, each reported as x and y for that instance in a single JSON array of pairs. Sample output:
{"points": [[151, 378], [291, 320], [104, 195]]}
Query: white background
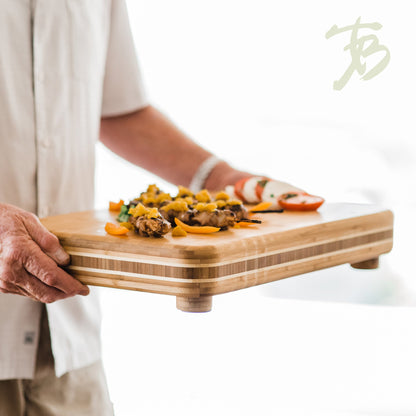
{"points": [[252, 82]]}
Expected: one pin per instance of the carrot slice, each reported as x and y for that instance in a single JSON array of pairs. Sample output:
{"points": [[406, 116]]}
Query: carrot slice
{"points": [[206, 229], [116, 206], [261, 206], [115, 229]]}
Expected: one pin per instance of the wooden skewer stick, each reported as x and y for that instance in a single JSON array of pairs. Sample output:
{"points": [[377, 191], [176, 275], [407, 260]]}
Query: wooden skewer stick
{"points": [[267, 210], [249, 220]]}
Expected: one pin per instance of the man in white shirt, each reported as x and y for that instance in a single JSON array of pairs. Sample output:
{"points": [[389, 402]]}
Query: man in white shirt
{"points": [[68, 74]]}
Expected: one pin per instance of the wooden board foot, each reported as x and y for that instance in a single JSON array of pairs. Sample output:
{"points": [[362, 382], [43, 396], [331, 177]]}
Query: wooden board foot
{"points": [[201, 304], [367, 264]]}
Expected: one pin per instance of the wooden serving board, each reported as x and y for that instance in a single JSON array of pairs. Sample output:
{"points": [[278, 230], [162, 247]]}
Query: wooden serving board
{"points": [[196, 267]]}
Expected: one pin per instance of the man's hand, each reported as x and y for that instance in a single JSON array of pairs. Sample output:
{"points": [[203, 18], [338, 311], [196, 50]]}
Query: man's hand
{"points": [[30, 257]]}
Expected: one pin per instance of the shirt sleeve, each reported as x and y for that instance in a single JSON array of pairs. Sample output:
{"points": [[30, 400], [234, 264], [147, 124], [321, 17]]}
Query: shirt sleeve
{"points": [[123, 89]]}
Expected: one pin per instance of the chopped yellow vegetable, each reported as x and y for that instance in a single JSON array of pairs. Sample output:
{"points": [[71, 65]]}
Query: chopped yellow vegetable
{"points": [[234, 202], [222, 195], [153, 213], [182, 191], [148, 199], [141, 210], [203, 196], [178, 231], [127, 225], [176, 206], [206, 207], [188, 199], [162, 197], [196, 229], [221, 203], [152, 189], [138, 210]]}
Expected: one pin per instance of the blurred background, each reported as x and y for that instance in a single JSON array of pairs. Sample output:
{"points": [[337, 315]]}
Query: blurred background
{"points": [[253, 83]]}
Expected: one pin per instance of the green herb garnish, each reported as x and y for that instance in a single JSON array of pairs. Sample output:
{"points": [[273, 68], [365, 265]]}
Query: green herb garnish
{"points": [[287, 196], [124, 214]]}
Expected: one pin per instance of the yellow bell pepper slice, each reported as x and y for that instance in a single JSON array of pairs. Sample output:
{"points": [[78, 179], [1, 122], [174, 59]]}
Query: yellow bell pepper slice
{"points": [[262, 206], [195, 229], [116, 206], [115, 229]]}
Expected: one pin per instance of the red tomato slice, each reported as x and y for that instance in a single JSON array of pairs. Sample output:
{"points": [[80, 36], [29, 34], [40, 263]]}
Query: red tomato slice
{"points": [[300, 201], [239, 186], [260, 187]]}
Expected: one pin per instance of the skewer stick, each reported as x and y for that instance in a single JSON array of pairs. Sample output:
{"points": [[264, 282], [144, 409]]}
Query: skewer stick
{"points": [[268, 210], [249, 220]]}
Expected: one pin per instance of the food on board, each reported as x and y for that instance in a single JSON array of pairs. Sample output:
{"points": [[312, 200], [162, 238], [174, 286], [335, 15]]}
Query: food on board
{"points": [[196, 229], [178, 231], [148, 222], [300, 201], [116, 206], [261, 189], [115, 229], [154, 212]]}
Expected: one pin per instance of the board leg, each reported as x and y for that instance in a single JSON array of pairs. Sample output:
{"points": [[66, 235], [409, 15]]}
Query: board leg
{"points": [[201, 304], [367, 264]]}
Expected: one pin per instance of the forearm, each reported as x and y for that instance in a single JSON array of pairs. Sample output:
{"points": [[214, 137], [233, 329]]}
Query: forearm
{"points": [[148, 139]]}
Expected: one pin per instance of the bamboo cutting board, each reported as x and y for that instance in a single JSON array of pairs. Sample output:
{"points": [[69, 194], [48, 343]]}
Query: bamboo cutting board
{"points": [[196, 267]]}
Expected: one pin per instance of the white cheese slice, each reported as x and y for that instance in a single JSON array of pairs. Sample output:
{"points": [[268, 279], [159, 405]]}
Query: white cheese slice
{"points": [[229, 189], [249, 190]]}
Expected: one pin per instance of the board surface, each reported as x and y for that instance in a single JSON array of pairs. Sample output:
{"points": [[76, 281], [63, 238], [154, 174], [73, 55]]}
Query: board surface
{"points": [[285, 244]]}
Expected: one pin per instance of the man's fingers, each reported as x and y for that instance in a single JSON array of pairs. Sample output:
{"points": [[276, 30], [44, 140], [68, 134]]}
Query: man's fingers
{"points": [[12, 288], [46, 270], [31, 286], [38, 290], [6, 287], [47, 241]]}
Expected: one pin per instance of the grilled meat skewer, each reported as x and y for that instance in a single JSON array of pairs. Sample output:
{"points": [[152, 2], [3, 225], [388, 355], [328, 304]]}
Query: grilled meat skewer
{"points": [[150, 227]]}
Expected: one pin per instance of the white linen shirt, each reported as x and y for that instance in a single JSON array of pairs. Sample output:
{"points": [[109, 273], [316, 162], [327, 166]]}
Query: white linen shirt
{"points": [[63, 65]]}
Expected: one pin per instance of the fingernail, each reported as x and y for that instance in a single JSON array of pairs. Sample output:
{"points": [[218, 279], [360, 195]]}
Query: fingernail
{"points": [[85, 291], [62, 257]]}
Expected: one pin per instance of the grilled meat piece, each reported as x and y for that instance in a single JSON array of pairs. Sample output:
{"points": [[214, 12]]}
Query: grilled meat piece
{"points": [[239, 210], [222, 218], [184, 216], [150, 227]]}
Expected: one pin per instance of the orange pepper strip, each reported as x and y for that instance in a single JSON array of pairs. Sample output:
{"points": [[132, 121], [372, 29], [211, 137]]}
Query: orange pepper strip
{"points": [[116, 206], [262, 206], [114, 229], [196, 229], [246, 224]]}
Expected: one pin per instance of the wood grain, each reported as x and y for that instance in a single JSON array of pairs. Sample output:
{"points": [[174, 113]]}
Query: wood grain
{"points": [[200, 266]]}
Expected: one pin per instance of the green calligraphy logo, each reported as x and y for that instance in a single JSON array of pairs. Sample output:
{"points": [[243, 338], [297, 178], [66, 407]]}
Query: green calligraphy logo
{"points": [[358, 50]]}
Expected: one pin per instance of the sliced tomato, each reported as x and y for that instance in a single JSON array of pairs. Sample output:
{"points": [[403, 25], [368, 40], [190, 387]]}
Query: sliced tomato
{"points": [[239, 186], [300, 201], [260, 187]]}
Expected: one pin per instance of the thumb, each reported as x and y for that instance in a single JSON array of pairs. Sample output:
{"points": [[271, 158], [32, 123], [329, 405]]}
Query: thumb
{"points": [[47, 241]]}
